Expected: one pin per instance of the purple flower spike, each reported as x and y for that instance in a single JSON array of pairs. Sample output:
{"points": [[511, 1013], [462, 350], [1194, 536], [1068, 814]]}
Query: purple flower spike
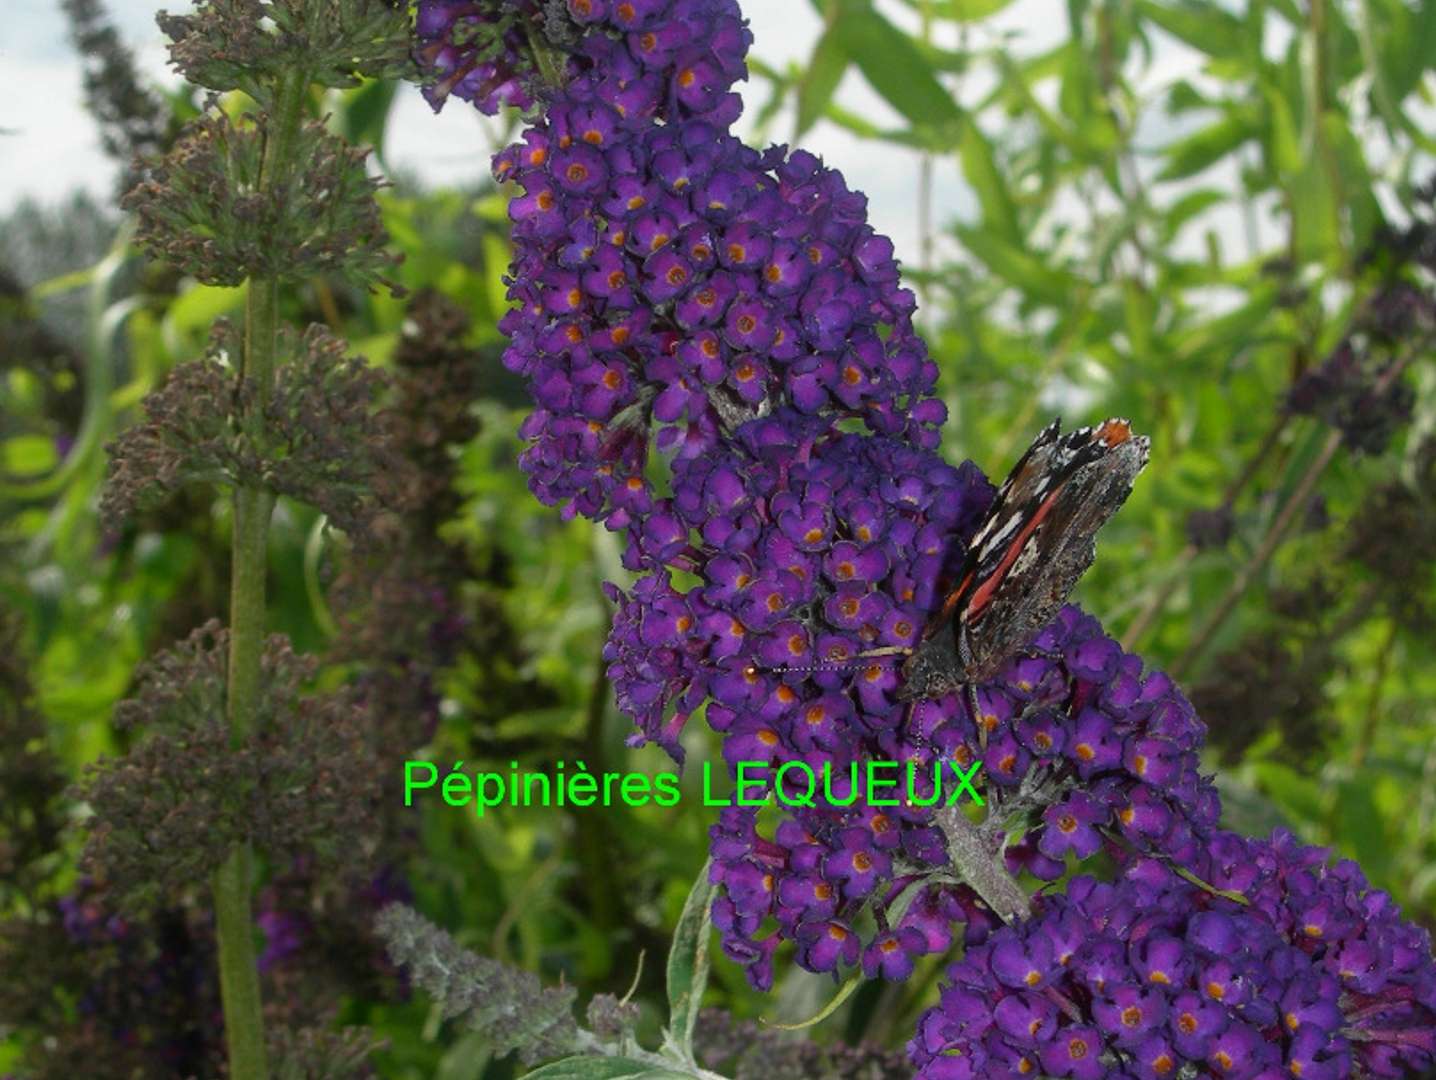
{"points": [[726, 373], [1171, 980]]}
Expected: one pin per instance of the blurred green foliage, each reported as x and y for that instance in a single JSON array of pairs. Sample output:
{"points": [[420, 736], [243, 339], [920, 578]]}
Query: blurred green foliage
{"points": [[1167, 213]]}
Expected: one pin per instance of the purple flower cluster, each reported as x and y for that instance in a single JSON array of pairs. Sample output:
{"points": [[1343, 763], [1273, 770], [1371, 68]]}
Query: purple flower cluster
{"points": [[676, 288], [734, 309], [1077, 740], [1077, 730], [1314, 976], [669, 277], [811, 546], [475, 51]]}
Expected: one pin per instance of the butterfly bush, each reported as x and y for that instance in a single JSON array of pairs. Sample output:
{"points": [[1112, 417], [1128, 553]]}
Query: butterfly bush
{"points": [[1303, 970], [726, 372]]}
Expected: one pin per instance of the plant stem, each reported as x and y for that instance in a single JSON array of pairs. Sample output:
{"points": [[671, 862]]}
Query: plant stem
{"points": [[253, 506], [663, 1064], [1369, 723], [1299, 501], [550, 61], [1283, 524], [981, 867]]}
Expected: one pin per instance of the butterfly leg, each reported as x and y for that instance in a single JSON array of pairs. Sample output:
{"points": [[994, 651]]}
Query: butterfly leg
{"points": [[975, 708], [1055, 655]]}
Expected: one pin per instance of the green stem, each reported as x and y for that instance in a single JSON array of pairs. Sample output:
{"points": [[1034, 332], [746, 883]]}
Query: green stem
{"points": [[982, 867], [1285, 520], [550, 61], [261, 325], [253, 506]]}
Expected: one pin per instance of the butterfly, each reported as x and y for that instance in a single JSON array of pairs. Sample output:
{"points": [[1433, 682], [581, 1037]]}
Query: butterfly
{"points": [[1036, 540]]}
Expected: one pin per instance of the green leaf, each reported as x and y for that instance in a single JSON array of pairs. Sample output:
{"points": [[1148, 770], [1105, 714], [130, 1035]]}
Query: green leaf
{"points": [[594, 1067], [1247, 810], [1139, 310], [1230, 332], [1284, 145], [466, 1060], [827, 1010], [1189, 206], [1314, 211], [187, 322], [1203, 149], [960, 10], [1018, 267], [1295, 795], [28, 455], [1202, 24], [979, 166], [1357, 194], [688, 962], [1017, 82], [894, 66], [1410, 53], [825, 70], [1361, 828]]}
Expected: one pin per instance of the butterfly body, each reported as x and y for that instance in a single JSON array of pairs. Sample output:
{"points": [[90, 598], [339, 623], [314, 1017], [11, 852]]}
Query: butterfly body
{"points": [[1037, 539]]}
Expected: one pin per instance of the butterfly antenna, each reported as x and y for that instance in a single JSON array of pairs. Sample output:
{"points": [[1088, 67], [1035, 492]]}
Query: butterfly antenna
{"points": [[847, 665]]}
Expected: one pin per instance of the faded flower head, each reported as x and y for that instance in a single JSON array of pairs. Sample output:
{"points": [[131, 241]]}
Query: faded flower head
{"points": [[746, 1050], [321, 441], [1358, 388], [1267, 684], [203, 209], [510, 1007], [167, 812], [1352, 390], [318, 1053], [250, 45]]}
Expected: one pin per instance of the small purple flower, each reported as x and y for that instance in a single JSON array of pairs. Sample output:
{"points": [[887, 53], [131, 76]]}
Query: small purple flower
{"points": [[1071, 827], [452, 35], [824, 946], [891, 954]]}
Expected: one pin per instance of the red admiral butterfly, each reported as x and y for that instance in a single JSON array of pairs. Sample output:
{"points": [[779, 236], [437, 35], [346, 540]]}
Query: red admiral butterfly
{"points": [[1035, 542]]}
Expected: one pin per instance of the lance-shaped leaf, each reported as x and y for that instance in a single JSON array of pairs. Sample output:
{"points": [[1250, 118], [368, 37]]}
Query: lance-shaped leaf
{"points": [[595, 1067], [892, 63], [825, 70], [688, 962]]}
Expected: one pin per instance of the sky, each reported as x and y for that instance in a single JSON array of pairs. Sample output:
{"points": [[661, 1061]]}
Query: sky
{"points": [[49, 146]]}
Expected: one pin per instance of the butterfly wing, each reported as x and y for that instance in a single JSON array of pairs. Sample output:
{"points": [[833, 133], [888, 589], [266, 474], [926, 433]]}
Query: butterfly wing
{"points": [[1037, 540], [1055, 555], [1004, 518]]}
